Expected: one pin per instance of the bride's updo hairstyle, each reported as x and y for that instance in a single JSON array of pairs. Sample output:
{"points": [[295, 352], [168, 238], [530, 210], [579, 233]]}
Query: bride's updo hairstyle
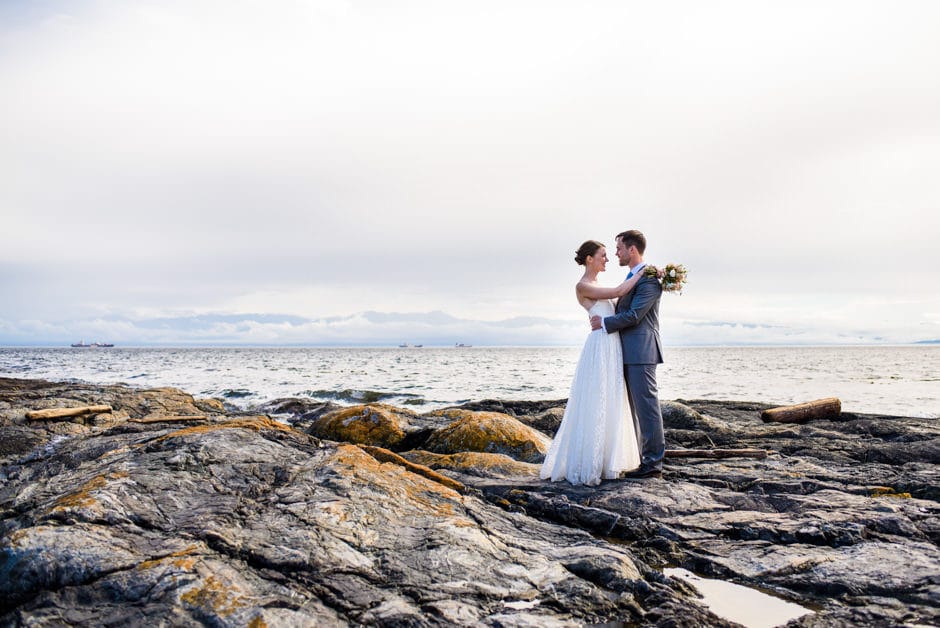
{"points": [[587, 249]]}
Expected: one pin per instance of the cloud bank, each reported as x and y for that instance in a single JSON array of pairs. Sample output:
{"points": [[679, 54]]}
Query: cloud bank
{"points": [[318, 159], [428, 328]]}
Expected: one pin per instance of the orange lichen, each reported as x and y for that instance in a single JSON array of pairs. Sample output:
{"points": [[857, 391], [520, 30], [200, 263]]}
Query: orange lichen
{"points": [[472, 461], [404, 488], [82, 498], [181, 559], [373, 424], [384, 455], [353, 459], [885, 491], [489, 432], [214, 595], [257, 622], [255, 423], [78, 499]]}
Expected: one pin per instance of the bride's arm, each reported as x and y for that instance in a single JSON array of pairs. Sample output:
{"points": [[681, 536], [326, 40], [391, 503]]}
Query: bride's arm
{"points": [[591, 291]]}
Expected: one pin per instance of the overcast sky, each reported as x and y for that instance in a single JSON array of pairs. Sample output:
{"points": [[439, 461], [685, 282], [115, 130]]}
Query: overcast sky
{"points": [[163, 160]]}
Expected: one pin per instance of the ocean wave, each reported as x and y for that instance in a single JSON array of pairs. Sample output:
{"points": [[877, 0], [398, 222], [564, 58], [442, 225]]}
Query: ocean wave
{"points": [[236, 393]]}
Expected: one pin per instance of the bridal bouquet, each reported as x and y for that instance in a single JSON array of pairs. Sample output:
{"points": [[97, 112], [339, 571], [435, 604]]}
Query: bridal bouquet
{"points": [[672, 276]]}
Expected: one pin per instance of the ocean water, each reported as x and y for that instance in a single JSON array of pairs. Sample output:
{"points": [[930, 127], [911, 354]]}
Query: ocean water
{"points": [[896, 380]]}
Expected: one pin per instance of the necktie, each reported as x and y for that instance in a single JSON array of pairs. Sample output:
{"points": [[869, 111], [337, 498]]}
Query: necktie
{"points": [[630, 274]]}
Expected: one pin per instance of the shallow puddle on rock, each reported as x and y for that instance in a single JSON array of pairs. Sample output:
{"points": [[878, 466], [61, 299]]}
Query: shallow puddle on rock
{"points": [[740, 604]]}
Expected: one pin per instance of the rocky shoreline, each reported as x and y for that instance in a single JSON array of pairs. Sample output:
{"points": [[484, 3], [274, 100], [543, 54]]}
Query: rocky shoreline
{"points": [[176, 510]]}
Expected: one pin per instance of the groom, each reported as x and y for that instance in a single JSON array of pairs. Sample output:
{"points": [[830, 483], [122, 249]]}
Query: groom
{"points": [[637, 319]]}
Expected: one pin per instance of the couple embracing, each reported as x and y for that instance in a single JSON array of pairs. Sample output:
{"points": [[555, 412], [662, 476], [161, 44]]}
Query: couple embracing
{"points": [[597, 438]]}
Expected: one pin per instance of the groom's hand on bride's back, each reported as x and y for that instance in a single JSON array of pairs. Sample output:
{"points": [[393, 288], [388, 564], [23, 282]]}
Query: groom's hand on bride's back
{"points": [[596, 322]]}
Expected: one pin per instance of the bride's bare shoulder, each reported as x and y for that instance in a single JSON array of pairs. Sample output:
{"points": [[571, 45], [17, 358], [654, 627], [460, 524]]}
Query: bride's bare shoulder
{"points": [[585, 301]]}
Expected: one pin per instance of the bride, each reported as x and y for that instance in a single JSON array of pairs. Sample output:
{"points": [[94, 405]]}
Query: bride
{"points": [[597, 438]]}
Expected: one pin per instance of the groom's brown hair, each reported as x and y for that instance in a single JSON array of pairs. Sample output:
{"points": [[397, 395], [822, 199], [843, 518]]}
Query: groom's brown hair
{"points": [[633, 238]]}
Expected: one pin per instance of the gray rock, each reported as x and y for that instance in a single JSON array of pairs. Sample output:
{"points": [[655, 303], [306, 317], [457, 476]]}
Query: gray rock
{"points": [[239, 519], [242, 520], [824, 521], [293, 406]]}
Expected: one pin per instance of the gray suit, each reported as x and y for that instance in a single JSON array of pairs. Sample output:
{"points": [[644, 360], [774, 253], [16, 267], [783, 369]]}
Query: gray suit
{"points": [[637, 320]]}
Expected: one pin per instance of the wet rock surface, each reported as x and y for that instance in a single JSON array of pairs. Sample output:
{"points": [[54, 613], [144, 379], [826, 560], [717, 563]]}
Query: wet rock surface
{"points": [[244, 519]]}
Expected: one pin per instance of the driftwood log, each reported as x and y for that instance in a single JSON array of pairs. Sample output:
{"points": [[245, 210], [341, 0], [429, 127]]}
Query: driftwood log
{"points": [[829, 408], [716, 453], [65, 413]]}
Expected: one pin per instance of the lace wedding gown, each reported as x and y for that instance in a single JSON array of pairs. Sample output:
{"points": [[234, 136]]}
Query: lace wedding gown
{"points": [[596, 438]]}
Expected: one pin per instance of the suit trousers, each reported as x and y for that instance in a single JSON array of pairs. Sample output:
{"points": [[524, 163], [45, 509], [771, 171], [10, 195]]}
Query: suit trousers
{"points": [[647, 415]]}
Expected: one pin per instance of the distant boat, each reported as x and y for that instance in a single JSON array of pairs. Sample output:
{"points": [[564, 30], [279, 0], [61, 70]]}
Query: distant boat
{"points": [[419, 346], [462, 345], [94, 344], [404, 345]]}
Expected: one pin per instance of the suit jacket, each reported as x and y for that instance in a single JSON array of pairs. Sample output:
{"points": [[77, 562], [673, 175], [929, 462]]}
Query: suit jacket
{"points": [[637, 319]]}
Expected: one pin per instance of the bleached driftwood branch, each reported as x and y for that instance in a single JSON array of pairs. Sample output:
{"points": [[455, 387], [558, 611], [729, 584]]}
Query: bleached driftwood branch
{"points": [[829, 408], [65, 413]]}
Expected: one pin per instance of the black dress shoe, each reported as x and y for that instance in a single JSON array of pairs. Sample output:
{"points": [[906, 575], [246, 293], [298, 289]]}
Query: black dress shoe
{"points": [[642, 473]]}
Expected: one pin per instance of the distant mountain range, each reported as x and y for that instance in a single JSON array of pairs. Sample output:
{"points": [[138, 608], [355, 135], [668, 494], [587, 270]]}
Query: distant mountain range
{"points": [[369, 328], [372, 328]]}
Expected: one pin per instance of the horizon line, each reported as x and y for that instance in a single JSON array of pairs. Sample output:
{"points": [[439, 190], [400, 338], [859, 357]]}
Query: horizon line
{"points": [[458, 346]]}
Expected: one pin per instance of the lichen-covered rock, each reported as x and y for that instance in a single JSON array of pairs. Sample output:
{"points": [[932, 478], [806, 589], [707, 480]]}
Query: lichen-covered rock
{"points": [[489, 432], [384, 455], [474, 463], [544, 416], [373, 424], [244, 521], [241, 520]]}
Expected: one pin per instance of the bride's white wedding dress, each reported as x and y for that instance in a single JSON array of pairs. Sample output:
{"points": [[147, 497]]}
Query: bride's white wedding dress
{"points": [[596, 439]]}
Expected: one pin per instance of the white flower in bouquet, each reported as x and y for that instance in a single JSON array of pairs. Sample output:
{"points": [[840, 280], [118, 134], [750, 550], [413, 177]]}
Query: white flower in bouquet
{"points": [[672, 276]]}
